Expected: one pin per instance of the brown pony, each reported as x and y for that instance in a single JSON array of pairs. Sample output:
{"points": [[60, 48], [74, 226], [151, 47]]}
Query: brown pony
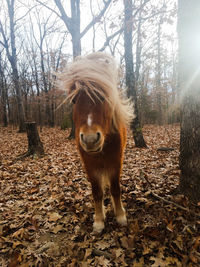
{"points": [[100, 115]]}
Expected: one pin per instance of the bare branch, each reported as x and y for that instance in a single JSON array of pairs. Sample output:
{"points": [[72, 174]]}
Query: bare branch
{"points": [[109, 38], [54, 11], [155, 14], [5, 43], [64, 17], [96, 18], [139, 9], [2, 44], [25, 14]]}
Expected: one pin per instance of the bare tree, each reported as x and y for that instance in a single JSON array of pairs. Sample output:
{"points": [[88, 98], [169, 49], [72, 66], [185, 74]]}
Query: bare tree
{"points": [[33, 64], [158, 74], [3, 91], [130, 76], [189, 79], [159, 87], [73, 23], [10, 46], [45, 27]]}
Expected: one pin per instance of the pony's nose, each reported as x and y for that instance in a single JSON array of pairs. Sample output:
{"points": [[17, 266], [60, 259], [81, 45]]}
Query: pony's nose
{"points": [[90, 139]]}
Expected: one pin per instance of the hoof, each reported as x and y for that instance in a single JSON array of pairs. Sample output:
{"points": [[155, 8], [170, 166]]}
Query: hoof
{"points": [[98, 227], [122, 220]]}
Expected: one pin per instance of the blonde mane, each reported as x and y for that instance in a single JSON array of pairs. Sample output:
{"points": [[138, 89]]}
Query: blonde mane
{"points": [[97, 75]]}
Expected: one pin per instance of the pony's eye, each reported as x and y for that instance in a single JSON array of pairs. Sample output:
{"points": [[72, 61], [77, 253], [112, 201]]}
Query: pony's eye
{"points": [[74, 99], [81, 135]]}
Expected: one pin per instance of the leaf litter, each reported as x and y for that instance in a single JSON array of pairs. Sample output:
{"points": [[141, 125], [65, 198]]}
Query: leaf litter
{"points": [[46, 207]]}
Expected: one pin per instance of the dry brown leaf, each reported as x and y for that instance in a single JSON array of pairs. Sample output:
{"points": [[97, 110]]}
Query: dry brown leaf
{"points": [[57, 228], [197, 243], [138, 263], [53, 217], [170, 226], [19, 233], [33, 190]]}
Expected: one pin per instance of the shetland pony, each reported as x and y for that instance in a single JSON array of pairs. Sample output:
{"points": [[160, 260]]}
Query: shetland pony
{"points": [[101, 116]]}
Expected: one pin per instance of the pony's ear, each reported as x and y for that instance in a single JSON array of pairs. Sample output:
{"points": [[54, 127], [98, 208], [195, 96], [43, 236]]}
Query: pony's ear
{"points": [[72, 88], [102, 98]]}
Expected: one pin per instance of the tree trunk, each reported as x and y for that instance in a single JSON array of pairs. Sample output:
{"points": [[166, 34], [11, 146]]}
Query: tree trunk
{"points": [[44, 80], [35, 146], [5, 120], [10, 48], [189, 81], [4, 94], [4, 115], [38, 92], [130, 77], [20, 106], [72, 132], [158, 76], [76, 43], [75, 31]]}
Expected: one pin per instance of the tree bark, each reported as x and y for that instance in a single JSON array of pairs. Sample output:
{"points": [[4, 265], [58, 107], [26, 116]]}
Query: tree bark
{"points": [[4, 115], [76, 43], [35, 146], [4, 91], [10, 48], [189, 85], [130, 76], [13, 61], [72, 132], [158, 76]]}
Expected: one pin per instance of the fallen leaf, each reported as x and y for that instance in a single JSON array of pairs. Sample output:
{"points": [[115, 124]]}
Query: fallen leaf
{"points": [[197, 243], [19, 233], [170, 226], [57, 229], [53, 217]]}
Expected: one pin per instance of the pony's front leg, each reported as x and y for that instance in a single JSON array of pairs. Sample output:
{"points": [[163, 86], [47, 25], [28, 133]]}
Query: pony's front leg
{"points": [[99, 216], [116, 196]]}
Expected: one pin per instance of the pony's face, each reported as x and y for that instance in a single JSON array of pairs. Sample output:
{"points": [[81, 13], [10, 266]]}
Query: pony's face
{"points": [[92, 122]]}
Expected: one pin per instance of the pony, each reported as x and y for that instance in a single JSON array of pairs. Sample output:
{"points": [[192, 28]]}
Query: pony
{"points": [[101, 115]]}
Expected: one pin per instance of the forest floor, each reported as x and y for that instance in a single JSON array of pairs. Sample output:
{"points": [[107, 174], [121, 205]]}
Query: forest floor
{"points": [[46, 209]]}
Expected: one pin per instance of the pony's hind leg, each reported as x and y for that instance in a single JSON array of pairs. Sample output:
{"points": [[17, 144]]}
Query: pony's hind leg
{"points": [[116, 197], [97, 192]]}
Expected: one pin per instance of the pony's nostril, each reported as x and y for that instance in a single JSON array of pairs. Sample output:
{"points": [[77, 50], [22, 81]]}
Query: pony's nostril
{"points": [[98, 136]]}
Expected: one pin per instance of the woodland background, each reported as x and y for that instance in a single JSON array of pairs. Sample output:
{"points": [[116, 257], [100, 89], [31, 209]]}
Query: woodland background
{"points": [[37, 40]]}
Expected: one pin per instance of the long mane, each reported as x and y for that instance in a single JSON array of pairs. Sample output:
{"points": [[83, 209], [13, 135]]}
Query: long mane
{"points": [[97, 74]]}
